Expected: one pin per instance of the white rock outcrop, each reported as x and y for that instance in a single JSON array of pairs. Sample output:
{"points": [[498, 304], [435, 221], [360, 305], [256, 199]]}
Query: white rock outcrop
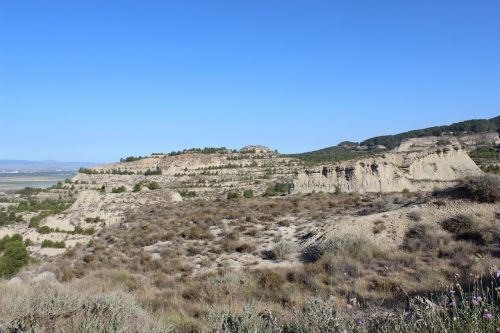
{"points": [[393, 172]]}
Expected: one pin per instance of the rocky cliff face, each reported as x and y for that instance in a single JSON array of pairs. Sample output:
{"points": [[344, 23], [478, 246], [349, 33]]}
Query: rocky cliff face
{"points": [[415, 171]]}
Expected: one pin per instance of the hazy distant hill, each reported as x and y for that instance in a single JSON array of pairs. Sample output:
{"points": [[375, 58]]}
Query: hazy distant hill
{"points": [[33, 166]]}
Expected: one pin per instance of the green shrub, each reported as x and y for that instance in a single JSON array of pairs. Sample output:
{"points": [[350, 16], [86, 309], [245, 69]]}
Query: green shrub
{"points": [[248, 194], [233, 196], [35, 220], [45, 230], [7, 239], [53, 244], [14, 255], [338, 190], [119, 189], [270, 192], [187, 194], [82, 231], [137, 187], [153, 185], [277, 189]]}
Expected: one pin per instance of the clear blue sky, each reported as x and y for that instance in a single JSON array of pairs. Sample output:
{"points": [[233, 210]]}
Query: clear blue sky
{"points": [[98, 80]]}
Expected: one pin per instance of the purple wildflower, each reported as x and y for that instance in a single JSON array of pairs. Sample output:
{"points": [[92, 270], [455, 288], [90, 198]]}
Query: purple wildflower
{"points": [[453, 303], [476, 300], [361, 322], [487, 315], [498, 273]]}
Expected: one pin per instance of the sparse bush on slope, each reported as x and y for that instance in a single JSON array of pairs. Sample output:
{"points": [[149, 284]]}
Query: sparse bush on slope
{"points": [[470, 228], [485, 188], [425, 237]]}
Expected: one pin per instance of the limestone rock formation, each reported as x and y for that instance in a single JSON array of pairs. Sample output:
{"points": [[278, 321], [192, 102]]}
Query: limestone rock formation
{"points": [[393, 172]]}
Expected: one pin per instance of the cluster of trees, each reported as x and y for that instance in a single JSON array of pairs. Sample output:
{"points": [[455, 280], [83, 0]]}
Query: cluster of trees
{"points": [[464, 127], [27, 191], [7, 218], [331, 154], [491, 169], [206, 150], [107, 172], [32, 205], [13, 255], [131, 159], [486, 152], [77, 231], [224, 166], [46, 207], [343, 151]]}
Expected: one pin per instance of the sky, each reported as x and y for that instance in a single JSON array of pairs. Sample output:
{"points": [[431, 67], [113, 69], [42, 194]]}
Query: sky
{"points": [[99, 80]]}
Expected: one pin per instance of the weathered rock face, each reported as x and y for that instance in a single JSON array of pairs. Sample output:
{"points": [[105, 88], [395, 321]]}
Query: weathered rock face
{"points": [[415, 171], [470, 141]]}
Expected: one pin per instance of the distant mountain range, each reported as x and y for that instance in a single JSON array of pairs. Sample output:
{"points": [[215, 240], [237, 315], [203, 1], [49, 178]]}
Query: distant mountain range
{"points": [[11, 166]]}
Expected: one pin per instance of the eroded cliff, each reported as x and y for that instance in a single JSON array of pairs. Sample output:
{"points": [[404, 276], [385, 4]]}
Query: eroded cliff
{"points": [[416, 171]]}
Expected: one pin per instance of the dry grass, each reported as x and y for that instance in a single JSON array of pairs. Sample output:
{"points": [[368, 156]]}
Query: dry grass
{"points": [[45, 308], [194, 287]]}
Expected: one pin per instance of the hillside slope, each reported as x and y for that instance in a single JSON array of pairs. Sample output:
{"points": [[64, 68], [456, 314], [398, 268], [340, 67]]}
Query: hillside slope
{"points": [[470, 133]]}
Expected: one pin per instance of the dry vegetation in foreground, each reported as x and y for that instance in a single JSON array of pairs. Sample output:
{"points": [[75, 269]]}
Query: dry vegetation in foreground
{"points": [[443, 277]]}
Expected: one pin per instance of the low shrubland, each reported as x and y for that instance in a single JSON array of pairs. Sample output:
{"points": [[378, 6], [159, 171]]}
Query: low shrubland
{"points": [[168, 259], [55, 309], [346, 281]]}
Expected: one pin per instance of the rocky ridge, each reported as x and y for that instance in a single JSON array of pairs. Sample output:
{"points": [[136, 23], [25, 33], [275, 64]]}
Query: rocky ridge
{"points": [[423, 170]]}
